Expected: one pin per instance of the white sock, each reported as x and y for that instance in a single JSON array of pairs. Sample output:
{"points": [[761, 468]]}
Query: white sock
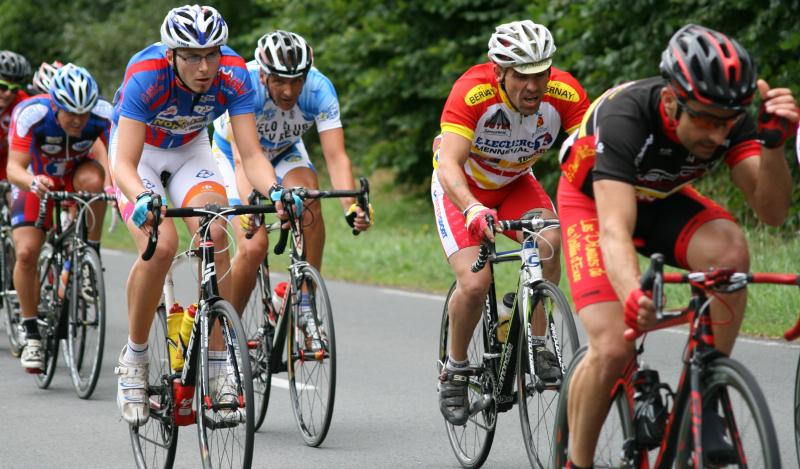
{"points": [[136, 353]]}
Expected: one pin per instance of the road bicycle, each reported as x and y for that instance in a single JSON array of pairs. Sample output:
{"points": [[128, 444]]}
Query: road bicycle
{"points": [[11, 317], [72, 296], [792, 334], [224, 422], [494, 365], [711, 386], [299, 336]]}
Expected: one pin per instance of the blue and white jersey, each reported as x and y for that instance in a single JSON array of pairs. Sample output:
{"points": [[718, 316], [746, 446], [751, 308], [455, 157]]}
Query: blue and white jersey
{"points": [[279, 129]]}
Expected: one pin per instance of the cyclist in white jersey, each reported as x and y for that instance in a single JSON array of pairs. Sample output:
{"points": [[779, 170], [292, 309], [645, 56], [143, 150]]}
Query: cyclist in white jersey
{"points": [[291, 96], [171, 92]]}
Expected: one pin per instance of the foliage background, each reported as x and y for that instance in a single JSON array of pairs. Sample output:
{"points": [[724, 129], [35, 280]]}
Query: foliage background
{"points": [[393, 61]]}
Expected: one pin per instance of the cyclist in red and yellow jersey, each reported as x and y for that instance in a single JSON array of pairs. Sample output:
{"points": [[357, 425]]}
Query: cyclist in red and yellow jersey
{"points": [[500, 117]]}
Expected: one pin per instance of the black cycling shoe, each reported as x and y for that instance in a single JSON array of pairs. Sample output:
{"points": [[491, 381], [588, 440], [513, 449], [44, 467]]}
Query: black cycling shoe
{"points": [[453, 400], [717, 446], [546, 364]]}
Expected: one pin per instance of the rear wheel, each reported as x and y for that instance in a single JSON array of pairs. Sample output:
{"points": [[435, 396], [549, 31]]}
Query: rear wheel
{"points": [[154, 443], [617, 428], [472, 441], [12, 318], [538, 399], [87, 324], [224, 403], [259, 333], [312, 358], [49, 309]]}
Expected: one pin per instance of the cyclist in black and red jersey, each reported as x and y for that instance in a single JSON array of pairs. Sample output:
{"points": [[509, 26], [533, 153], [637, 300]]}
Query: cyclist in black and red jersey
{"points": [[14, 69], [625, 188]]}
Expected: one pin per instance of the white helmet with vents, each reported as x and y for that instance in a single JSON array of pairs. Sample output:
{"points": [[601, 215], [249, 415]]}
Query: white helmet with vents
{"points": [[194, 27], [524, 45]]}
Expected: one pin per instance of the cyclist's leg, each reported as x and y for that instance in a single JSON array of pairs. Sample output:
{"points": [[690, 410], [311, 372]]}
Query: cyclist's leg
{"points": [[89, 176], [601, 314]]}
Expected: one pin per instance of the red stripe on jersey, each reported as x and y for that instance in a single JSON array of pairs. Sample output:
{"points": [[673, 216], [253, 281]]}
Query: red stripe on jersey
{"points": [[144, 66], [742, 151]]}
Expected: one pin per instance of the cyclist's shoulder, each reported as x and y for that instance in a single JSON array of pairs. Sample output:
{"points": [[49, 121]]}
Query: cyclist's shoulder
{"points": [[102, 110], [563, 87], [475, 88], [31, 111]]}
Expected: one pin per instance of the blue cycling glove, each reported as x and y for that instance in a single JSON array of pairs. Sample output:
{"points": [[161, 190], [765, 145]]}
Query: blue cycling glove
{"points": [[277, 193], [139, 215]]}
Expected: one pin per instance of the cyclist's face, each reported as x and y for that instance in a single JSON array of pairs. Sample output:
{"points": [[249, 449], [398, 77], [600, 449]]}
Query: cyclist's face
{"points": [[284, 91], [702, 128], [197, 67], [525, 91], [8, 91], [72, 124]]}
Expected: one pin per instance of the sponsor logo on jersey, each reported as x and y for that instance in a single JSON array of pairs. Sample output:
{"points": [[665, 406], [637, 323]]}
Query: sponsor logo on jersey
{"points": [[53, 140], [561, 90], [207, 98], [83, 145], [51, 149], [498, 124], [203, 109], [479, 94]]}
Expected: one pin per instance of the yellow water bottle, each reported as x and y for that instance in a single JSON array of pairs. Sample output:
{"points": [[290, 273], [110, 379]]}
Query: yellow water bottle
{"points": [[174, 320], [187, 324], [504, 317]]}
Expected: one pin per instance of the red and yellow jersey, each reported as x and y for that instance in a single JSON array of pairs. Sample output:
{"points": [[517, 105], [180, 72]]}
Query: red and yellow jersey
{"points": [[505, 144]]}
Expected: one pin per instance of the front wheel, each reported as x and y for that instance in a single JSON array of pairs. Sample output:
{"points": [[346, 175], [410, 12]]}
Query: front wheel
{"points": [[616, 430], [224, 403], [735, 396], [259, 333], [311, 357], [552, 320], [472, 441], [49, 310], [87, 324]]}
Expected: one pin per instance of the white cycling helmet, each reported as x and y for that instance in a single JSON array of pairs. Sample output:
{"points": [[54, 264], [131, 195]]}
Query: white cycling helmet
{"points": [[194, 27], [73, 89], [43, 76], [524, 45], [284, 54]]}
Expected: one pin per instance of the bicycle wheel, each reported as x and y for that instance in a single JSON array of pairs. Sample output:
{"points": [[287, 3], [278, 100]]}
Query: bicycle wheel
{"points": [[48, 314], [471, 443], [13, 325], [537, 408], [311, 358], [225, 425], [259, 333], [797, 411], [87, 324], [746, 416], [154, 443], [617, 428]]}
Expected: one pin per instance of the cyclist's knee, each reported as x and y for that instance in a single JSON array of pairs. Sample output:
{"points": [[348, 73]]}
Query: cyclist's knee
{"points": [[609, 357], [89, 177], [27, 256], [473, 289], [719, 243], [252, 251]]}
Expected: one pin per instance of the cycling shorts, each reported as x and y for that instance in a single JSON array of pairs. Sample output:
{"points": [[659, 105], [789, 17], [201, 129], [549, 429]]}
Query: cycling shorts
{"points": [[187, 170], [665, 225], [295, 156], [511, 202], [25, 204]]}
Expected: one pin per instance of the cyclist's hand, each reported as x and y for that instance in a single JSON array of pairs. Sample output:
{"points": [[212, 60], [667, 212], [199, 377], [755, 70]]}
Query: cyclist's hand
{"points": [[777, 116], [476, 222], [639, 312], [248, 223], [275, 194], [40, 185], [141, 216], [356, 217]]}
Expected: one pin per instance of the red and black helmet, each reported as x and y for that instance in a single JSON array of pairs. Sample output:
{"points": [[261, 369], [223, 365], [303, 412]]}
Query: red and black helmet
{"points": [[709, 67]]}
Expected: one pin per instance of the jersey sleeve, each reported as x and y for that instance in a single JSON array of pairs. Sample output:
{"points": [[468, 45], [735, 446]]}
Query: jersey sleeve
{"points": [[135, 102], [239, 87], [744, 143], [23, 119], [326, 105], [569, 98], [463, 107]]}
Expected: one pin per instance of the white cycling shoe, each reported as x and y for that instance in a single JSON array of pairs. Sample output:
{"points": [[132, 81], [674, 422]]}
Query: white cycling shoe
{"points": [[132, 390]]}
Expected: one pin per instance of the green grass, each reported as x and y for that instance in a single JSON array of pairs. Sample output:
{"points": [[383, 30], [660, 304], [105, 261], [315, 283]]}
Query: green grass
{"points": [[402, 250]]}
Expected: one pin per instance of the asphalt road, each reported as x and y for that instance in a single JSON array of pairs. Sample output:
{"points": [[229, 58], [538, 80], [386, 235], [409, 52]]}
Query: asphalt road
{"points": [[386, 412]]}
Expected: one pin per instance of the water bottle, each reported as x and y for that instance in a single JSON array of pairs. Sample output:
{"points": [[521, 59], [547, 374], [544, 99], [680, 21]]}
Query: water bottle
{"points": [[277, 296], [183, 395], [174, 325], [504, 316], [63, 279], [649, 411], [187, 324]]}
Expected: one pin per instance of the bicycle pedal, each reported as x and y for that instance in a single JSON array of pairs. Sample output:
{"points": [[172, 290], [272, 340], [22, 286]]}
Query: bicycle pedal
{"points": [[479, 405]]}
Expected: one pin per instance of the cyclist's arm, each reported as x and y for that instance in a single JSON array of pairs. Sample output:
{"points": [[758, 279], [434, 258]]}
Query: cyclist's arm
{"points": [[766, 184], [258, 170], [616, 214], [17, 169], [100, 154], [243, 185], [131, 137], [453, 153], [338, 163]]}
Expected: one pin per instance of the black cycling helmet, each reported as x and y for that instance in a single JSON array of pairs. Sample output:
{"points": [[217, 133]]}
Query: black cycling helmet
{"points": [[709, 67], [285, 54], [13, 67]]}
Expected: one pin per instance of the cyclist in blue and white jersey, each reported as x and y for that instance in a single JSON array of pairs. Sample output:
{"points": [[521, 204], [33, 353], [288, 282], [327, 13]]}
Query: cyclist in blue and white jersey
{"points": [[171, 92], [51, 137], [291, 97]]}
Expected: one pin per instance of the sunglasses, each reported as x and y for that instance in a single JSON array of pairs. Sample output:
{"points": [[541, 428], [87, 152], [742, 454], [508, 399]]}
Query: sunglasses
{"points": [[708, 121], [194, 59], [6, 86]]}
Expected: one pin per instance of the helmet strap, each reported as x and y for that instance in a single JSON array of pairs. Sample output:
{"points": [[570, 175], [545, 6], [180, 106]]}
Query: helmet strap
{"points": [[177, 73]]}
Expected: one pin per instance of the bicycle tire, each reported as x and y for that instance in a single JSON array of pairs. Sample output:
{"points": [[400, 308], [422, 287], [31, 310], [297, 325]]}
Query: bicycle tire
{"points": [[48, 285], [797, 411], [225, 435], [617, 428], [259, 332], [722, 376], [312, 373], [155, 442], [537, 402], [87, 324], [472, 442], [12, 316]]}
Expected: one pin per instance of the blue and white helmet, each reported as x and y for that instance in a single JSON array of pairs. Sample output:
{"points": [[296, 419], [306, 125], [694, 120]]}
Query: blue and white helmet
{"points": [[194, 27], [73, 89]]}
